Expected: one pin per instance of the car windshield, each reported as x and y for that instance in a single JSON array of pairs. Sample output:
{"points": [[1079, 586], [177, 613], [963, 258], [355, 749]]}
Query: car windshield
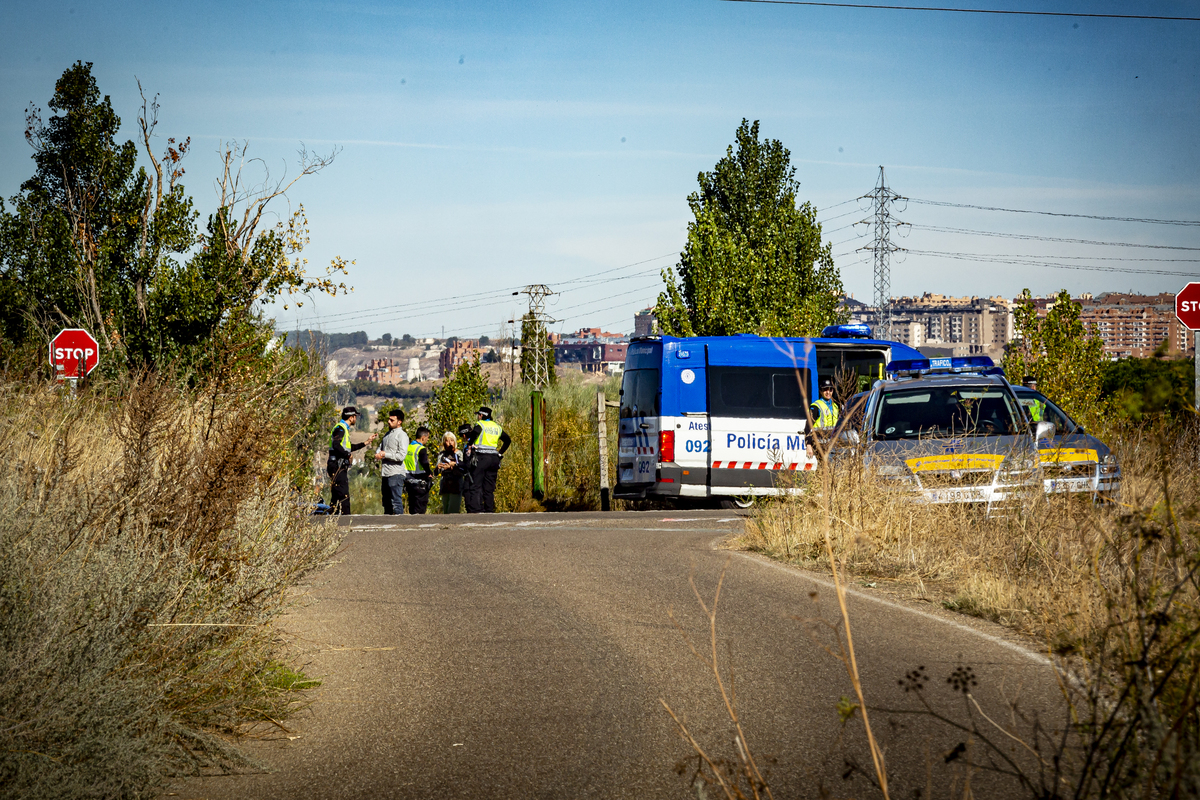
{"points": [[921, 411]]}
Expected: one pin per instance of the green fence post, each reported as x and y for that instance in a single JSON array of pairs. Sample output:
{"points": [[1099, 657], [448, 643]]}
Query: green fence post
{"points": [[537, 449]]}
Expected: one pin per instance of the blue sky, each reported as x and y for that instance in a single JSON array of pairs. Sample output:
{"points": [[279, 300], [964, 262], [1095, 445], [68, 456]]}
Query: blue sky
{"points": [[485, 146]]}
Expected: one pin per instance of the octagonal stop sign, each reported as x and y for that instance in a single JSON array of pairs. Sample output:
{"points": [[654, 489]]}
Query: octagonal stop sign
{"points": [[1187, 306], [71, 349]]}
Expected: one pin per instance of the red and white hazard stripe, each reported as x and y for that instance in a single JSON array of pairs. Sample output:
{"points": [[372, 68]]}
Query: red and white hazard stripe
{"points": [[761, 465]]}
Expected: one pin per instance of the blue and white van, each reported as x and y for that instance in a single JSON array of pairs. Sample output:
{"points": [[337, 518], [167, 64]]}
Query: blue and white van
{"points": [[726, 416]]}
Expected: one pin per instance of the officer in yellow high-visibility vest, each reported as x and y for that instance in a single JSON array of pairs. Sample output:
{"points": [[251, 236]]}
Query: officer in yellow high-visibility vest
{"points": [[418, 476], [825, 409], [485, 447], [1037, 409], [338, 464]]}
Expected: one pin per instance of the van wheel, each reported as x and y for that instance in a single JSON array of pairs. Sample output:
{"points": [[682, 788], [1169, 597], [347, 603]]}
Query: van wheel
{"points": [[743, 502]]}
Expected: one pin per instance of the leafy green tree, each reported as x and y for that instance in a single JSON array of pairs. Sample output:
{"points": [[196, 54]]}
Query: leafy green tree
{"points": [[1066, 359], [535, 344], [91, 232], [753, 262], [456, 402], [95, 241]]}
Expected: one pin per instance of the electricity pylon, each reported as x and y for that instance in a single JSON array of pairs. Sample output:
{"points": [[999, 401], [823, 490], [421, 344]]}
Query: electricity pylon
{"points": [[539, 357], [883, 221]]}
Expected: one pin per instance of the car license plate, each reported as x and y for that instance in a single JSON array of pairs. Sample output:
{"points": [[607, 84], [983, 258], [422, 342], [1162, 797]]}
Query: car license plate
{"points": [[971, 495]]}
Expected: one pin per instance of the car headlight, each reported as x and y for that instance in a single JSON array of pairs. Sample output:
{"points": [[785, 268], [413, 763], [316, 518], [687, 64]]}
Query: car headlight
{"points": [[891, 472], [1109, 465], [1018, 469]]}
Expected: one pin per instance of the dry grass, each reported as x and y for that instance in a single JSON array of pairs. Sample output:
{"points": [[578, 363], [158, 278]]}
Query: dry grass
{"points": [[146, 545], [1040, 570], [1112, 590]]}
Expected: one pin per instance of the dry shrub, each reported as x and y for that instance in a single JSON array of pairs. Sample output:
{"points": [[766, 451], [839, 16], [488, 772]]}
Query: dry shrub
{"points": [[146, 544]]}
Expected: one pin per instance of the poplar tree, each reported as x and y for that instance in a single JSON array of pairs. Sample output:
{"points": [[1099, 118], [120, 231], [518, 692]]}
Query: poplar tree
{"points": [[1060, 352], [754, 261]]}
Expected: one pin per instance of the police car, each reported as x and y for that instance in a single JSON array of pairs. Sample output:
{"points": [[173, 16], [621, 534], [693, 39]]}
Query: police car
{"points": [[1072, 459], [726, 417], [951, 430]]}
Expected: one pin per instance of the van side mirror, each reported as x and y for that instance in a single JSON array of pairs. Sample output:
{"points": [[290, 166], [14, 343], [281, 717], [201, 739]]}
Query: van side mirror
{"points": [[1043, 430]]}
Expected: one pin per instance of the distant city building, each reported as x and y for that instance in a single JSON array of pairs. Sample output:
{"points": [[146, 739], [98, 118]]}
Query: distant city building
{"points": [[1134, 325], [590, 335], [645, 323], [593, 356], [462, 350], [962, 325], [381, 370]]}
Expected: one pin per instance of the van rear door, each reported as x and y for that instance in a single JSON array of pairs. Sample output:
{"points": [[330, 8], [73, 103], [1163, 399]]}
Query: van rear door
{"points": [[758, 398], [637, 432]]}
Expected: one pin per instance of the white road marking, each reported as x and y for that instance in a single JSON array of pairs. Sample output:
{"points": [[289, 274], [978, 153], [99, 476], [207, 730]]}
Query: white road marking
{"points": [[1037, 658]]}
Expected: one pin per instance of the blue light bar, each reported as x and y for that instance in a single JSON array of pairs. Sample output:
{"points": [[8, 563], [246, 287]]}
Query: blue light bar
{"points": [[855, 330], [958, 364]]}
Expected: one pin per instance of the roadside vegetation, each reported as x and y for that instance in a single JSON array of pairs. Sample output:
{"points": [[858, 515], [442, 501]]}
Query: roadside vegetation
{"points": [[154, 523], [1111, 591]]}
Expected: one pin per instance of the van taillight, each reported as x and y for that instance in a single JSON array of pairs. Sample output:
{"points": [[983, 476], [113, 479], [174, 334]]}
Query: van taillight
{"points": [[666, 445]]}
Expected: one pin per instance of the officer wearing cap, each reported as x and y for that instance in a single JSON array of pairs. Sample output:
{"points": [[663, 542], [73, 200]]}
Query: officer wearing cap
{"points": [[486, 445], [338, 465], [825, 410]]}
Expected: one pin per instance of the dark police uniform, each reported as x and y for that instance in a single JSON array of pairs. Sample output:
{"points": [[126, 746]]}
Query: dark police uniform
{"points": [[487, 444], [338, 466], [419, 478]]}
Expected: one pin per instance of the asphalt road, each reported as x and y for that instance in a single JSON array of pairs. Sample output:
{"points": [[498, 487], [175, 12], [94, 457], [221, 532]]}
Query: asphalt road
{"points": [[524, 656]]}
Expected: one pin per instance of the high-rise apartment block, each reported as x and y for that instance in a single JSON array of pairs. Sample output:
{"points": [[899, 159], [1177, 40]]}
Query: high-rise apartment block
{"points": [[1134, 325]]}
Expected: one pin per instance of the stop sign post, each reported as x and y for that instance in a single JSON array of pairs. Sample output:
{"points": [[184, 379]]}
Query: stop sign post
{"points": [[1187, 308], [72, 349]]}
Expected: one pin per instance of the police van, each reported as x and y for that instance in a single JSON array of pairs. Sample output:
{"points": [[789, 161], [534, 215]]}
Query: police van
{"points": [[726, 417]]}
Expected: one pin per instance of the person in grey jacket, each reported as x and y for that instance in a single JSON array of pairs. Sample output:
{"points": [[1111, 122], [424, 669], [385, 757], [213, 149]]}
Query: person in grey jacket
{"points": [[390, 454]]}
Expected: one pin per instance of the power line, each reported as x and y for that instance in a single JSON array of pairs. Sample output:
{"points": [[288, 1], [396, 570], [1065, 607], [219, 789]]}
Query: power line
{"points": [[968, 10], [982, 258], [941, 229], [461, 297], [1061, 258], [1188, 222]]}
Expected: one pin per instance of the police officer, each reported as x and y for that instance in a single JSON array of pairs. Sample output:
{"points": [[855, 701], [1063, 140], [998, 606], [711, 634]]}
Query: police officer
{"points": [[1037, 409], [487, 443], [825, 410], [340, 453], [419, 477]]}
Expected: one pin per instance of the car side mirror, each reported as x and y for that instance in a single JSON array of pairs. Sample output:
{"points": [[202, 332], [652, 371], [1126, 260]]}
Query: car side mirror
{"points": [[1043, 430], [849, 437]]}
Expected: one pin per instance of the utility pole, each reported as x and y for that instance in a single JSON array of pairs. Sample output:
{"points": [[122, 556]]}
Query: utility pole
{"points": [[883, 221], [539, 376]]}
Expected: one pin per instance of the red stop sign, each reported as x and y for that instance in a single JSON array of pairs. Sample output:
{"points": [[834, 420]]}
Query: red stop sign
{"points": [[1187, 306], [69, 348]]}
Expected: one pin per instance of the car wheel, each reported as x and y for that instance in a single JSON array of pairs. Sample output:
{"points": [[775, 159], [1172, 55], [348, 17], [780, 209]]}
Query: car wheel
{"points": [[743, 502]]}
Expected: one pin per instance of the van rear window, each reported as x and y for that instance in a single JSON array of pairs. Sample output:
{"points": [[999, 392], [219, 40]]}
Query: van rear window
{"points": [[757, 392], [639, 393]]}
